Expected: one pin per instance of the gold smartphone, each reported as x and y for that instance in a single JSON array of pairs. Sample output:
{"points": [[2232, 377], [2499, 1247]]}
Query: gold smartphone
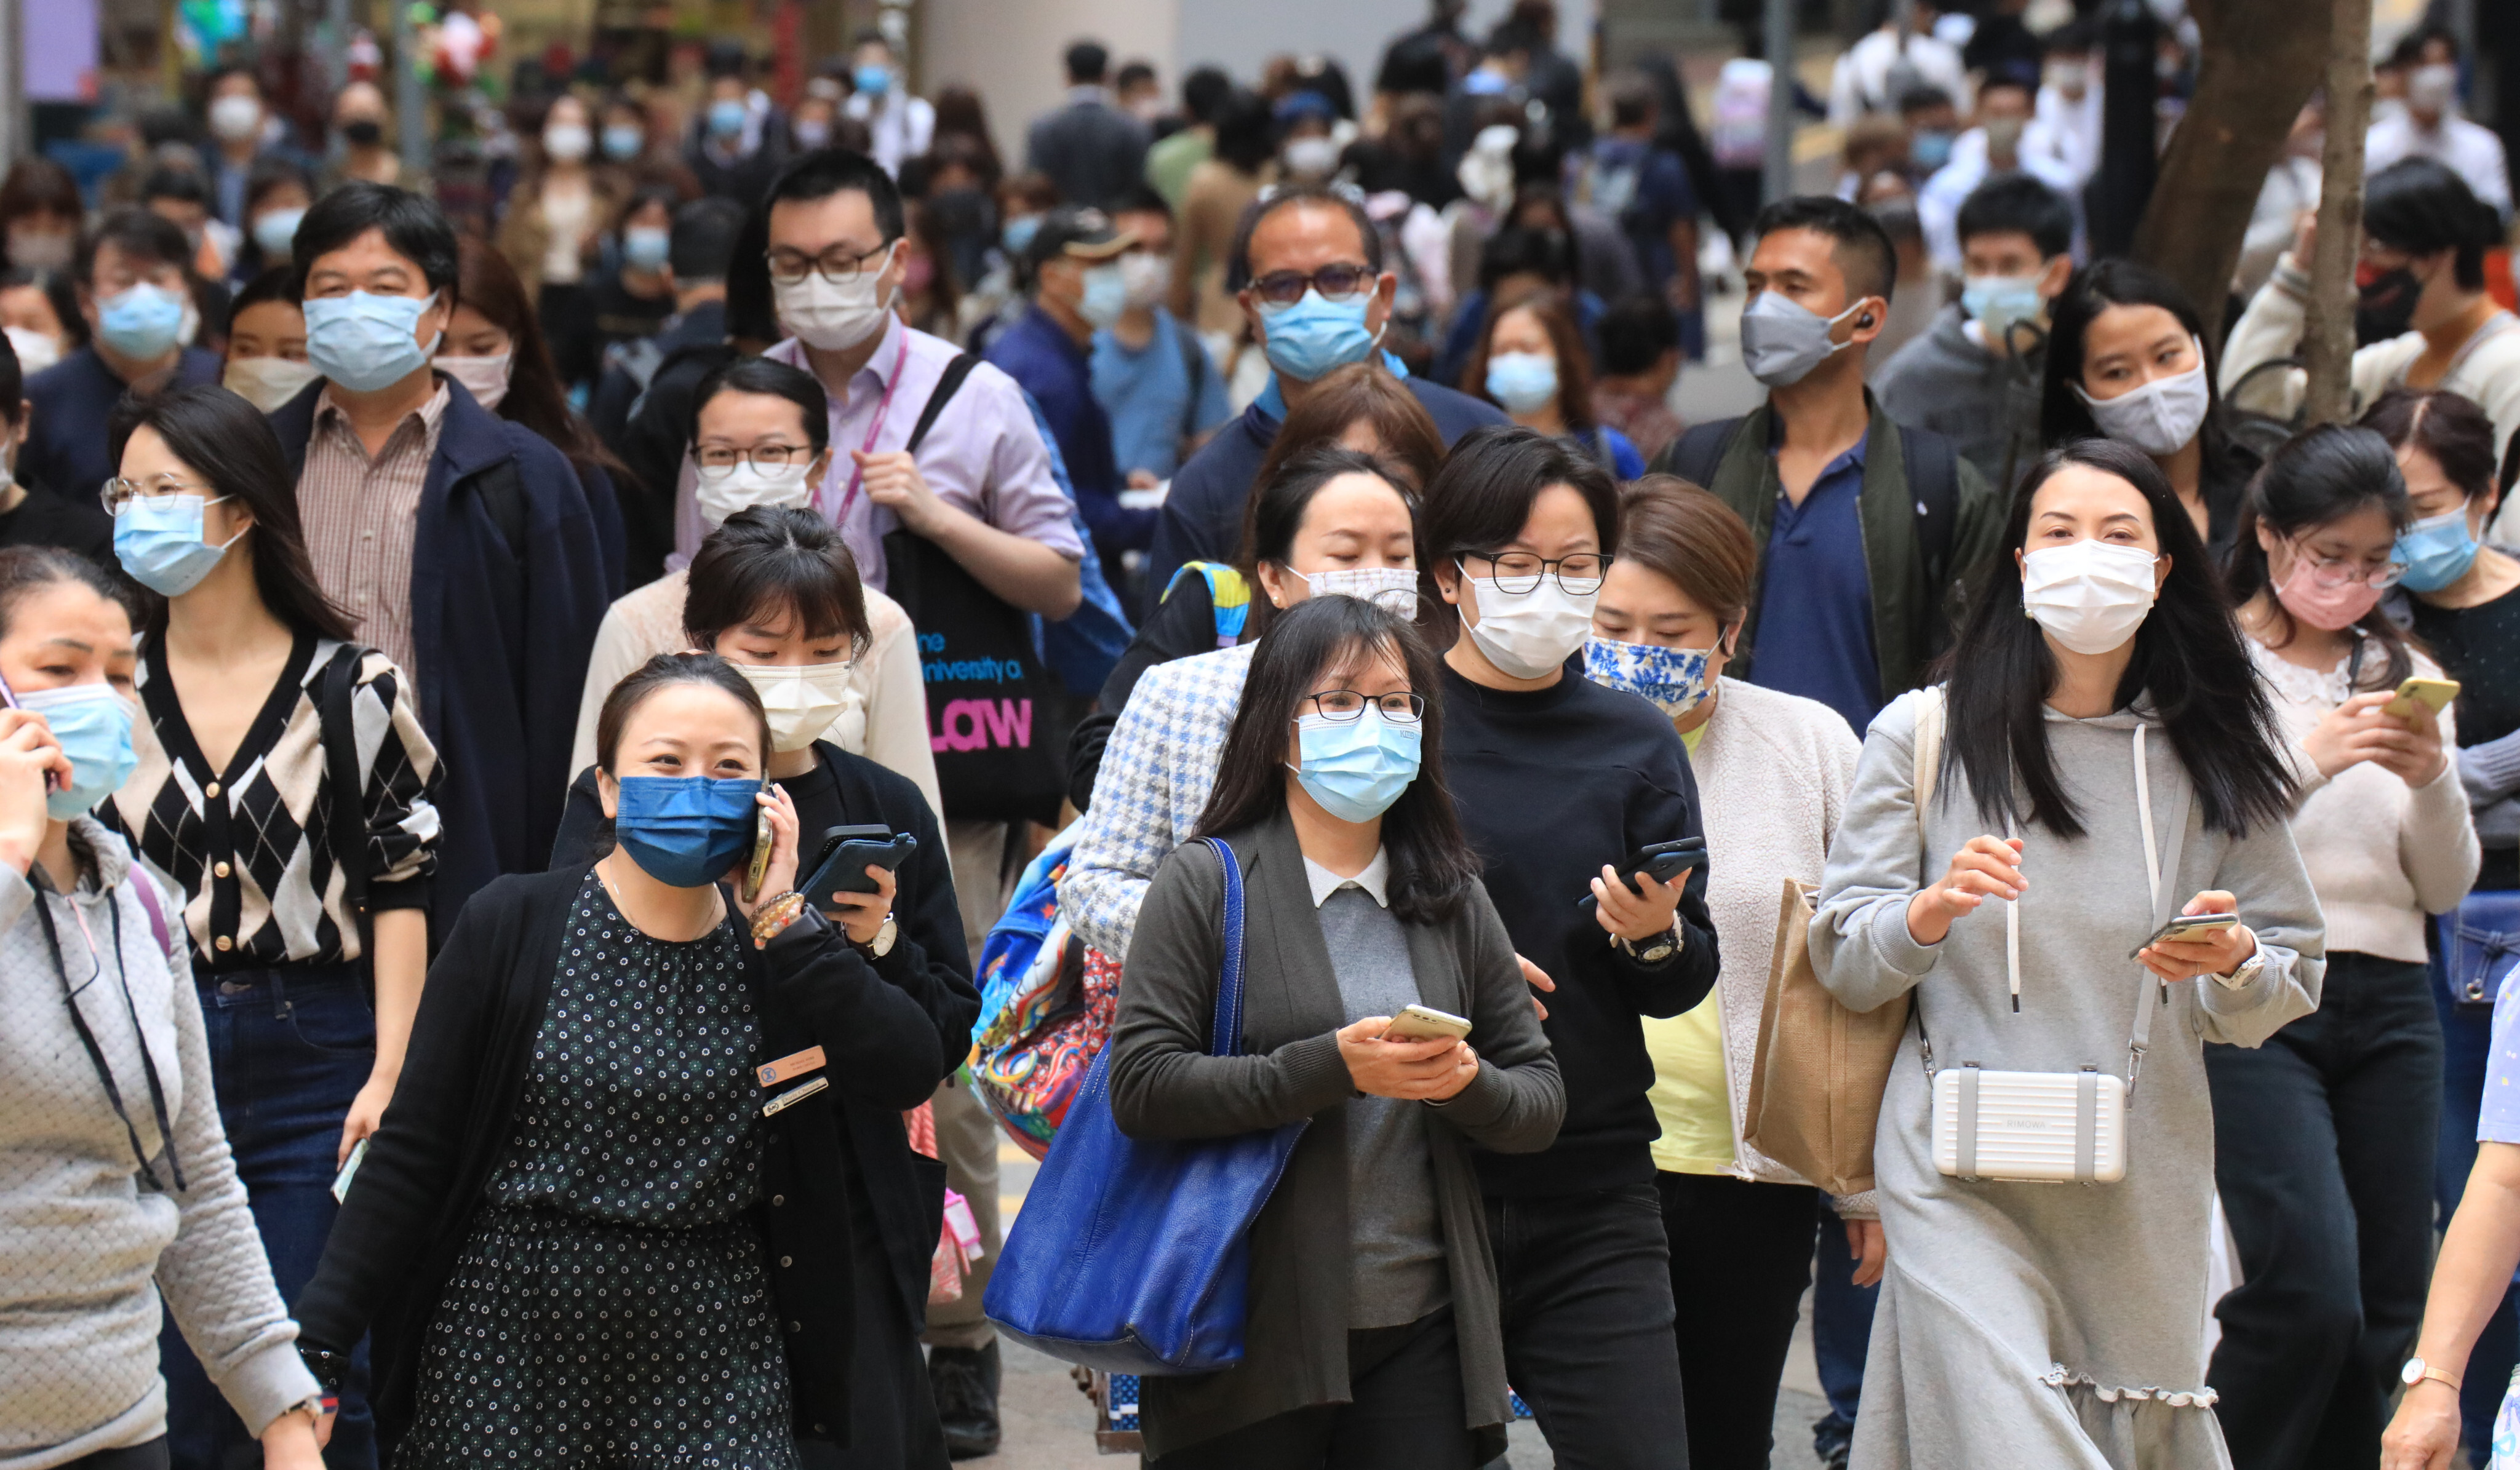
{"points": [[759, 869], [2433, 693], [1424, 1023]]}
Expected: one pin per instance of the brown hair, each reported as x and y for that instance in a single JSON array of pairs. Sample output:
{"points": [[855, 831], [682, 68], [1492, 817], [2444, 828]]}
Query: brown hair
{"points": [[488, 283], [1365, 392], [1675, 529], [2446, 425], [1574, 365], [669, 669]]}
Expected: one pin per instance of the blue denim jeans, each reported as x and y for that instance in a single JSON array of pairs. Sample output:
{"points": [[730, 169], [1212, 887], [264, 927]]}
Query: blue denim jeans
{"points": [[290, 1049], [2466, 1038], [1841, 1332]]}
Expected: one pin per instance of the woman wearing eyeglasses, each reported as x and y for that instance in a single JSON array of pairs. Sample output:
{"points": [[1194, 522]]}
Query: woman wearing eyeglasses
{"points": [[1560, 781], [2324, 1136], [1372, 1337], [305, 903]]}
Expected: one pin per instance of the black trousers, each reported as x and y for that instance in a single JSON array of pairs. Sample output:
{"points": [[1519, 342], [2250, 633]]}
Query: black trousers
{"points": [[2323, 1152], [1405, 1409], [1585, 1283], [150, 1456], [1740, 1259]]}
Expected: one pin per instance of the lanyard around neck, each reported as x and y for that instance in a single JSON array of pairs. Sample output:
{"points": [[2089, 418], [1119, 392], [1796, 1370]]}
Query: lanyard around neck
{"points": [[882, 411]]}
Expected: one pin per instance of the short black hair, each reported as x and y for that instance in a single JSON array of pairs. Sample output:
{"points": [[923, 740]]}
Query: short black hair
{"points": [[1859, 246], [182, 185], [1546, 253], [1132, 74], [789, 559], [759, 375], [702, 244], [1202, 90], [1634, 333], [1237, 271], [827, 171], [2421, 205], [1143, 198], [275, 173], [137, 233], [2016, 203], [414, 227], [1086, 62], [12, 381], [281, 283], [1918, 99], [1633, 99]]}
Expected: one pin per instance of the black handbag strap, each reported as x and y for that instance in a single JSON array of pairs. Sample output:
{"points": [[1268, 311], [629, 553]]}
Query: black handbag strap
{"points": [[946, 387], [335, 719]]}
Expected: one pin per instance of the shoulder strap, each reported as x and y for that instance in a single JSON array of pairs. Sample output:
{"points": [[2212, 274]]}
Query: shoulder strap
{"points": [[1195, 367], [1930, 712], [1933, 483], [145, 889], [335, 721], [1227, 593], [1224, 1027], [946, 387], [1694, 455]]}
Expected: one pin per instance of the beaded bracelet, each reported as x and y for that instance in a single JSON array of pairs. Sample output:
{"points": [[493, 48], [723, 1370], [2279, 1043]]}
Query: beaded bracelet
{"points": [[776, 915]]}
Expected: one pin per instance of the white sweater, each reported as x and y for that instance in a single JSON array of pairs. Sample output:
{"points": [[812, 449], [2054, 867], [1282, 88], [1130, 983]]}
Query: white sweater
{"points": [[1772, 772], [2380, 857]]}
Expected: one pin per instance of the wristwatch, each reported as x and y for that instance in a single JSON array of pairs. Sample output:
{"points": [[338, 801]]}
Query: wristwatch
{"points": [[1655, 950], [885, 937], [2239, 978], [2417, 1370]]}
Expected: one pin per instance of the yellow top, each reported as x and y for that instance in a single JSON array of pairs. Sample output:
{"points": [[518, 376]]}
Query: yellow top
{"points": [[1690, 1097]]}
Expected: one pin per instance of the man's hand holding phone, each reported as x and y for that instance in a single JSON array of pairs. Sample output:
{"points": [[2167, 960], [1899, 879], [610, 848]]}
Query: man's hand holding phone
{"points": [[29, 756]]}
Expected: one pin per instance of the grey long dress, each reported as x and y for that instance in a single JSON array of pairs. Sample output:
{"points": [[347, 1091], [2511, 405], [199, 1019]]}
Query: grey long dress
{"points": [[2056, 1325]]}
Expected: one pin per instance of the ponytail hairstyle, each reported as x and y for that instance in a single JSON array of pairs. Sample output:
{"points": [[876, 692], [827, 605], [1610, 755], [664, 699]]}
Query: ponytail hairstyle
{"points": [[2319, 477]]}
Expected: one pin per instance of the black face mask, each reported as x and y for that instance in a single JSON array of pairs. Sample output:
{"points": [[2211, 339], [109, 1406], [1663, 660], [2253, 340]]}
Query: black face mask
{"points": [[363, 132], [2385, 307], [962, 212]]}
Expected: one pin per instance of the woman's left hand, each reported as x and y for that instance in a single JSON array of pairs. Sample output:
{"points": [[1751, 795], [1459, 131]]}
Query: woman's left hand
{"points": [[780, 813], [2410, 747], [1870, 1249], [366, 1110], [291, 1443], [2217, 951], [1635, 919], [861, 915]]}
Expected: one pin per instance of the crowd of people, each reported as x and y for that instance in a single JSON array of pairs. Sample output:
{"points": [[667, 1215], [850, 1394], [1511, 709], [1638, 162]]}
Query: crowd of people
{"points": [[519, 730]]}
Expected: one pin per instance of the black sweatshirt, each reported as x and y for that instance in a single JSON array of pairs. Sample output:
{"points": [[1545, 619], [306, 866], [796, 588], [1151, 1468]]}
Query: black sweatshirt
{"points": [[1550, 785]]}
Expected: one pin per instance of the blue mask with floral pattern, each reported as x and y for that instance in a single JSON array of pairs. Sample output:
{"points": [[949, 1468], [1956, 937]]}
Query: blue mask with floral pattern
{"points": [[1674, 679]]}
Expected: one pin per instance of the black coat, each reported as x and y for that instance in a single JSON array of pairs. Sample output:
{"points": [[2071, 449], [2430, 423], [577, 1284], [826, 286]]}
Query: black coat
{"points": [[890, 1030]]}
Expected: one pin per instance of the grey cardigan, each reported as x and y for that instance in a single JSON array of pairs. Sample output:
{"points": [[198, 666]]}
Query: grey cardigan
{"points": [[1164, 1085]]}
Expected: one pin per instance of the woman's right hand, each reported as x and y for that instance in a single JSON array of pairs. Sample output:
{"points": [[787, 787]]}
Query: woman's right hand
{"points": [[27, 750], [2350, 733], [1427, 1071], [1987, 867], [2424, 1435]]}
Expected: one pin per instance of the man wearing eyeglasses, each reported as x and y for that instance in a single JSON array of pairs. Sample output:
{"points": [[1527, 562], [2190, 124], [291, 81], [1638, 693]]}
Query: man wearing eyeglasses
{"points": [[1318, 298]]}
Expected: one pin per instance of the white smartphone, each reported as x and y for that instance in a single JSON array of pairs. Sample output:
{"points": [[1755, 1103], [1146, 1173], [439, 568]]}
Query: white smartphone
{"points": [[2186, 926], [342, 1181], [1424, 1023]]}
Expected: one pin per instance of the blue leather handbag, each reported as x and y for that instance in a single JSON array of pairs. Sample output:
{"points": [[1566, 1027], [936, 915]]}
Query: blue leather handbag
{"points": [[1131, 1254]]}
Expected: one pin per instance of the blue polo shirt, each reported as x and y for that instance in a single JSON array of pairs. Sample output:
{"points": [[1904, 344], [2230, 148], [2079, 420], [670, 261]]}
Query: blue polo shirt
{"points": [[67, 448], [1815, 634], [1149, 393], [1039, 354]]}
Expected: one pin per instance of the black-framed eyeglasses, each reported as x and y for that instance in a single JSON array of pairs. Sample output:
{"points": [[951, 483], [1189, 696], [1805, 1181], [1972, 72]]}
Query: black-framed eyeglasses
{"points": [[1335, 283], [1519, 572], [718, 461], [1400, 706], [838, 265]]}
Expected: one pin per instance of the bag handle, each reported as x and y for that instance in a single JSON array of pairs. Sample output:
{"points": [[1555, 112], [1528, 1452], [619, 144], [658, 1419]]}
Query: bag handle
{"points": [[1224, 1027]]}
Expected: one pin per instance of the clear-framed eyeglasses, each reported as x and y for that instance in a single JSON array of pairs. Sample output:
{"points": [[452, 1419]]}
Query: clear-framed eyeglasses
{"points": [[716, 462], [118, 492], [1399, 708], [2337, 571], [1519, 572]]}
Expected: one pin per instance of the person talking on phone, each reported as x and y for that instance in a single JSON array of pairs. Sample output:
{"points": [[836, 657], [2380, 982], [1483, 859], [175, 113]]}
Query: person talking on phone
{"points": [[2325, 1136], [2107, 760], [120, 1203], [1372, 1337], [306, 905], [655, 1100]]}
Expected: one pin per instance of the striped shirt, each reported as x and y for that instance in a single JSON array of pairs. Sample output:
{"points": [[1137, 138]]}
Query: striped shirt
{"points": [[362, 515]]}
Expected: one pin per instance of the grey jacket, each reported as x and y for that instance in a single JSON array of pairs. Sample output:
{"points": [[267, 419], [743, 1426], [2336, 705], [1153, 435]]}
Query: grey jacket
{"points": [[1987, 406], [1165, 1085]]}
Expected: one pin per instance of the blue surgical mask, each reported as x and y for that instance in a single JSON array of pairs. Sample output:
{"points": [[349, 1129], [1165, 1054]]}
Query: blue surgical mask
{"points": [[873, 80], [646, 247], [1355, 768], [1674, 679], [1315, 336], [1017, 236], [142, 321], [93, 725], [274, 233], [686, 831], [1107, 296], [1930, 150], [364, 343], [726, 117], [2000, 303], [2438, 551], [624, 143], [158, 539], [1522, 383]]}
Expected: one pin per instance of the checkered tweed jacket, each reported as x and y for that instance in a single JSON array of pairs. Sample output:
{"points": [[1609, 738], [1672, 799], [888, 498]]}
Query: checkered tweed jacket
{"points": [[1157, 772]]}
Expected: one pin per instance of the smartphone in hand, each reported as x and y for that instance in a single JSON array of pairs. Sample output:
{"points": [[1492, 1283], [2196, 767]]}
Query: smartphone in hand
{"points": [[1424, 1023], [2186, 926]]}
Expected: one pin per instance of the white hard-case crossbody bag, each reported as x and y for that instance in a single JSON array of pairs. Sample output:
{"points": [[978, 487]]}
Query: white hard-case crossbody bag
{"points": [[2050, 1126]]}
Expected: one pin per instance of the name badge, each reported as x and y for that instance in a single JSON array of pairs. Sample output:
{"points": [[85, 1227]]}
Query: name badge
{"points": [[792, 1096], [797, 1065]]}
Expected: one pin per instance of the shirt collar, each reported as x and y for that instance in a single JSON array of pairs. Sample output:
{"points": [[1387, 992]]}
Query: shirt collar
{"points": [[1373, 880], [429, 413]]}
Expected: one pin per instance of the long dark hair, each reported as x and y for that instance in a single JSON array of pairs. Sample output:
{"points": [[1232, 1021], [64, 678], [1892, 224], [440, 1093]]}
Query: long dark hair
{"points": [[1565, 345], [488, 284], [2190, 658], [1277, 510], [765, 560], [2329, 473], [230, 444], [2447, 426], [1432, 866], [659, 672], [2094, 289]]}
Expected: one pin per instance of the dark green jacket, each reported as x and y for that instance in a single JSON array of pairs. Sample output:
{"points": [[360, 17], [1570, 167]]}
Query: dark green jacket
{"points": [[1911, 622]]}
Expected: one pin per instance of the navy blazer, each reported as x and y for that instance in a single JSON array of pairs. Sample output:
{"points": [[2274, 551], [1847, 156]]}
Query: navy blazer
{"points": [[507, 583]]}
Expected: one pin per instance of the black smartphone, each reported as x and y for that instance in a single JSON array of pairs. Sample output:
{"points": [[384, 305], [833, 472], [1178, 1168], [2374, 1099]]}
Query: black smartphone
{"points": [[840, 862], [1662, 861]]}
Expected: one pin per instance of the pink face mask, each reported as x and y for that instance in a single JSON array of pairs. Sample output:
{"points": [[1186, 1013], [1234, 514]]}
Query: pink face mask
{"points": [[2331, 608]]}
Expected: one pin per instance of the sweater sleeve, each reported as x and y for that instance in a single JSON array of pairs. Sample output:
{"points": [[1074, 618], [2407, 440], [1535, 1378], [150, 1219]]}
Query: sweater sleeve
{"points": [[1861, 947], [2269, 330], [1516, 1100], [1125, 835], [1667, 807], [214, 1275], [2436, 841], [2265, 872], [1163, 1083], [403, 777]]}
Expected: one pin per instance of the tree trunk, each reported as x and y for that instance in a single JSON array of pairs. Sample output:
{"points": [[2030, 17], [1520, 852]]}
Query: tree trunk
{"points": [[2261, 60], [2328, 333]]}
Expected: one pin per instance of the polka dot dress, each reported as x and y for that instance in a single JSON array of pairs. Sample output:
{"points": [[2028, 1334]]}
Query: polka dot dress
{"points": [[610, 1308]]}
